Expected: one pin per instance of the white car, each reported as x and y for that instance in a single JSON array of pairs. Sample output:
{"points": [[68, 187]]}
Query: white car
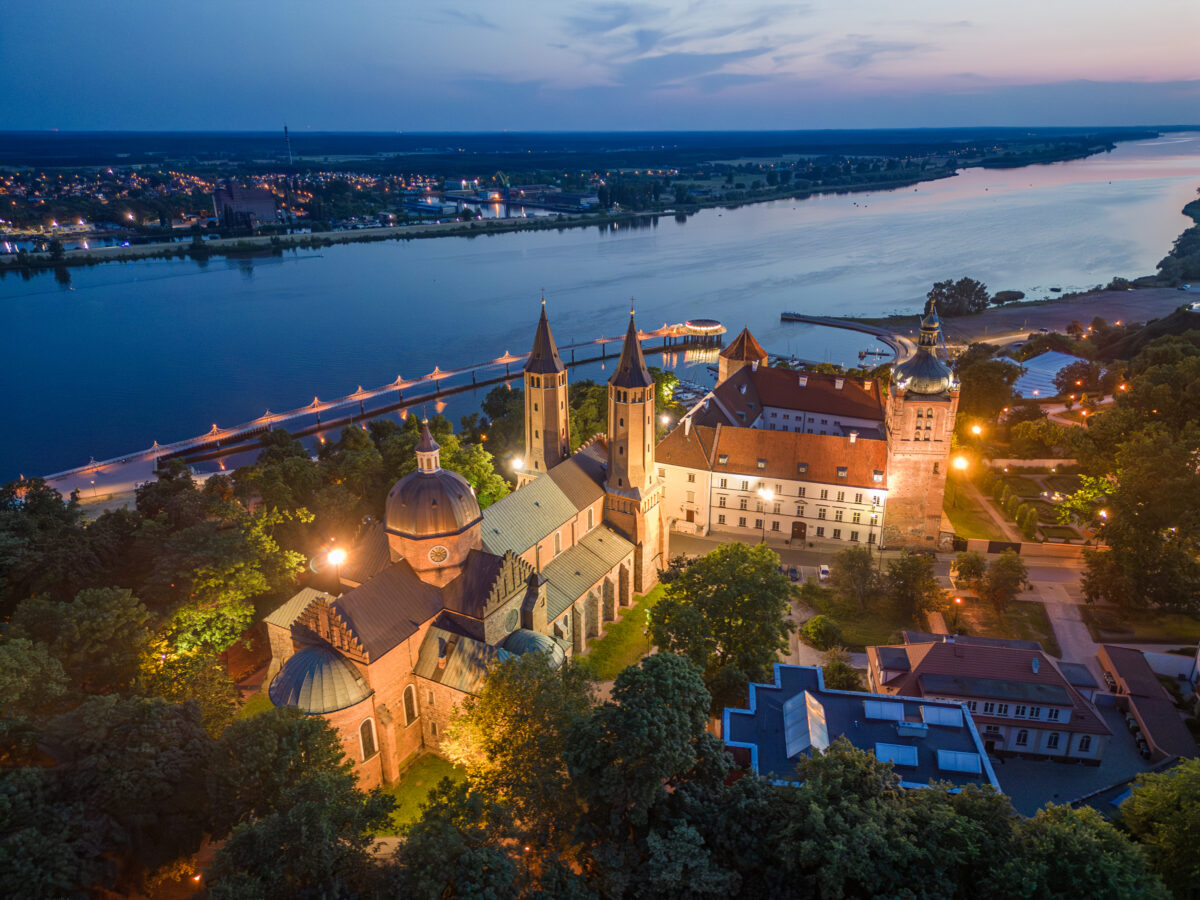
{"points": [[823, 572]]}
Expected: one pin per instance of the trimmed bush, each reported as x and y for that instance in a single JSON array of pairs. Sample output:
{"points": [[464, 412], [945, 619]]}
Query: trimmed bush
{"points": [[821, 632]]}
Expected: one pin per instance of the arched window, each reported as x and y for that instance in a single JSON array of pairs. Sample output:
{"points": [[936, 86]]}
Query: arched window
{"points": [[557, 543], [410, 705], [929, 413], [1085, 743], [1023, 737], [591, 518], [366, 739], [920, 414]]}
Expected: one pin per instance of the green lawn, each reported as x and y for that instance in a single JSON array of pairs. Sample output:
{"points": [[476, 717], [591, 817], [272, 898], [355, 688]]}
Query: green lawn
{"points": [[969, 519], [1024, 620], [414, 786], [257, 703], [880, 624], [623, 643], [1148, 626]]}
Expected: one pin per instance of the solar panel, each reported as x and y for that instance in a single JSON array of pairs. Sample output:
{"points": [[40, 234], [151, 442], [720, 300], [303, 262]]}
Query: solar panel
{"points": [[959, 761], [950, 716], [877, 709], [899, 754]]}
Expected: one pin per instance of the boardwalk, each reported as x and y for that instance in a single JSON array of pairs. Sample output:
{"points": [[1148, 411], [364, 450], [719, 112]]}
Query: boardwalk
{"points": [[900, 346]]}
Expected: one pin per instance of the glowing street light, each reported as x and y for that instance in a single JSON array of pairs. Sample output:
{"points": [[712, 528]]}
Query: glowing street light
{"points": [[960, 463], [666, 420], [336, 557], [976, 430], [518, 464], [768, 496]]}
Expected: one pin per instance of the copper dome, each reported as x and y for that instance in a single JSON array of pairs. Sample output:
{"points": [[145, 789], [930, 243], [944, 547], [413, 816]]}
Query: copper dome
{"points": [[431, 504]]}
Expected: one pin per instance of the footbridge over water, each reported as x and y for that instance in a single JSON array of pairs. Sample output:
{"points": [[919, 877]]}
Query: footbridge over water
{"points": [[123, 473]]}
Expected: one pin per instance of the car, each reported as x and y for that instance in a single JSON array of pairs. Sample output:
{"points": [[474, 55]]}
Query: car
{"points": [[793, 573], [823, 572], [1043, 331]]}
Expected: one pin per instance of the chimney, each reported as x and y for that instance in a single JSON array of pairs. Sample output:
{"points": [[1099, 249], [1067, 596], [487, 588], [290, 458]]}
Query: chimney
{"points": [[803, 381], [853, 436], [838, 382], [866, 384]]}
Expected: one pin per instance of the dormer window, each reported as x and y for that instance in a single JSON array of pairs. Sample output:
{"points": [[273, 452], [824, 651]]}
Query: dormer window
{"points": [[741, 389], [842, 471], [723, 459], [877, 476], [802, 468], [762, 463]]}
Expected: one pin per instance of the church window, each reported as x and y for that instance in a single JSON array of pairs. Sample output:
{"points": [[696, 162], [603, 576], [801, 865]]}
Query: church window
{"points": [[536, 433], [920, 414], [557, 543], [429, 697], [591, 518], [410, 705], [433, 728], [621, 422], [366, 739], [535, 407], [935, 468]]}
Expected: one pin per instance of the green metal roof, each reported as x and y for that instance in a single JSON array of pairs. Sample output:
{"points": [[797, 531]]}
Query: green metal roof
{"points": [[466, 660], [290, 610], [318, 680], [525, 517], [570, 574]]}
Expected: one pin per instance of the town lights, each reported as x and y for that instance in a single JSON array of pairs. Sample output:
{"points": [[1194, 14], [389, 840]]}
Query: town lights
{"points": [[960, 463], [666, 420], [518, 464], [336, 557], [976, 430]]}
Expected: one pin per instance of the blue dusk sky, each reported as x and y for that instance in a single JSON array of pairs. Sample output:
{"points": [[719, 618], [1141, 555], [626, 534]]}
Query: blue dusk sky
{"points": [[525, 65]]}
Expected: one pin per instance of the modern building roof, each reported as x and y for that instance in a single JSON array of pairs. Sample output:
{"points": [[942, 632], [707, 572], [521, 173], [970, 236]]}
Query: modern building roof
{"points": [[1078, 675], [797, 456], [926, 740], [544, 358], [526, 516], [741, 398], [631, 371], [289, 611], [316, 679], [570, 574], [1037, 379], [972, 670], [744, 347]]}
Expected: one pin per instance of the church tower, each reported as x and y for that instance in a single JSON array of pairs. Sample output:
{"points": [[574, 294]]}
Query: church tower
{"points": [[632, 488], [547, 415], [744, 351], [920, 411]]}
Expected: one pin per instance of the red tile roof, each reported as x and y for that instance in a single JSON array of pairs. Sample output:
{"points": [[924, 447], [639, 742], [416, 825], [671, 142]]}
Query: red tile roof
{"points": [[745, 347], [1007, 668], [749, 389]]}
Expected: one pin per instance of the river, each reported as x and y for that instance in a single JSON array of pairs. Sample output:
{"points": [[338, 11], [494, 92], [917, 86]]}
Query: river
{"points": [[129, 353]]}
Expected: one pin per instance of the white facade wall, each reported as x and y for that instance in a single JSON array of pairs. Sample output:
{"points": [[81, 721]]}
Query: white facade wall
{"points": [[822, 509]]}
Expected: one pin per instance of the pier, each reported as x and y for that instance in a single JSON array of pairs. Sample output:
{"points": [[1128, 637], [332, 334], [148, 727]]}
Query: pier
{"points": [[902, 348], [123, 473]]}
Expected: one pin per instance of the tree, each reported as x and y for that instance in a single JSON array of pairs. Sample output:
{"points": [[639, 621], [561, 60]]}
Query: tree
{"points": [[971, 567], [1039, 439], [1077, 378], [1006, 575], [839, 674], [853, 576], [959, 298], [33, 685], [912, 584], [1163, 815], [1065, 852], [201, 679], [99, 637], [727, 613], [986, 388], [511, 738], [1104, 581], [821, 632]]}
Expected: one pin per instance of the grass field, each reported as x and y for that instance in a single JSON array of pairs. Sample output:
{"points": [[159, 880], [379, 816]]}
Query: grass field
{"points": [[881, 624], [1024, 620], [1149, 626], [623, 644], [259, 702], [969, 519], [414, 786]]}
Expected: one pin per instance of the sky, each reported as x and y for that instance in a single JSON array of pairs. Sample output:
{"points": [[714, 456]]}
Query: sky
{"points": [[528, 65]]}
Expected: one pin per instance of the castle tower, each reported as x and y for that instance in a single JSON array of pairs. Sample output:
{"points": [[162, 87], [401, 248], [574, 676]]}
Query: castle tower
{"points": [[632, 488], [919, 413], [547, 416], [744, 351]]}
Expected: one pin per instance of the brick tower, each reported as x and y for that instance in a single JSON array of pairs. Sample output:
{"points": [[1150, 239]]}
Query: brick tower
{"points": [[547, 416], [744, 351], [632, 489], [919, 414]]}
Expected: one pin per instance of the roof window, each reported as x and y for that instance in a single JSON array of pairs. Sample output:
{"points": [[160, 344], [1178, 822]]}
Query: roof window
{"points": [[802, 468], [762, 463], [877, 475], [723, 459], [842, 472]]}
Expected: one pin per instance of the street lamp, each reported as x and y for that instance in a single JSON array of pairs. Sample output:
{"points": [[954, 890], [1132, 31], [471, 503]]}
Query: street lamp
{"points": [[518, 464], [336, 557], [959, 463], [976, 430], [957, 612], [768, 496]]}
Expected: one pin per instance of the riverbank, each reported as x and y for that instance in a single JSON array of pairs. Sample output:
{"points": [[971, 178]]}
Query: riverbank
{"points": [[259, 244]]}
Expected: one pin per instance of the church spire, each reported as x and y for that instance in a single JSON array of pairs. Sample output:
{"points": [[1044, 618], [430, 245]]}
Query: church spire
{"points": [[631, 368], [429, 452], [544, 358]]}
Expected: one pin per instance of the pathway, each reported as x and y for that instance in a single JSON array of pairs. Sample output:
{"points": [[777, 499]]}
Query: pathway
{"points": [[1006, 528], [1069, 629]]}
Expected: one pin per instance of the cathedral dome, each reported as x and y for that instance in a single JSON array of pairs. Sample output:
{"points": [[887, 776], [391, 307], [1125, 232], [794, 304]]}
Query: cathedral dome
{"points": [[431, 504], [432, 501], [524, 640], [923, 373], [317, 680]]}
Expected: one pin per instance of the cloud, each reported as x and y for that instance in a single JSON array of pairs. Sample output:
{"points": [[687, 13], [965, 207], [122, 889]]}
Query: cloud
{"points": [[714, 84], [861, 52], [473, 19], [653, 71], [605, 18], [647, 39]]}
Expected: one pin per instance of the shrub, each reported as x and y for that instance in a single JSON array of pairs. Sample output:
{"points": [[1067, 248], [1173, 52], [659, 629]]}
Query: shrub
{"points": [[821, 632]]}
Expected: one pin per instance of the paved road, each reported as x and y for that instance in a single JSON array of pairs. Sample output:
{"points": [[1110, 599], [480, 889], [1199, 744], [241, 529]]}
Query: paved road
{"points": [[1073, 636]]}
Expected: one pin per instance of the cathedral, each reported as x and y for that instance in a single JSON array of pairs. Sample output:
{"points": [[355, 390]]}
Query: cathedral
{"points": [[439, 589]]}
